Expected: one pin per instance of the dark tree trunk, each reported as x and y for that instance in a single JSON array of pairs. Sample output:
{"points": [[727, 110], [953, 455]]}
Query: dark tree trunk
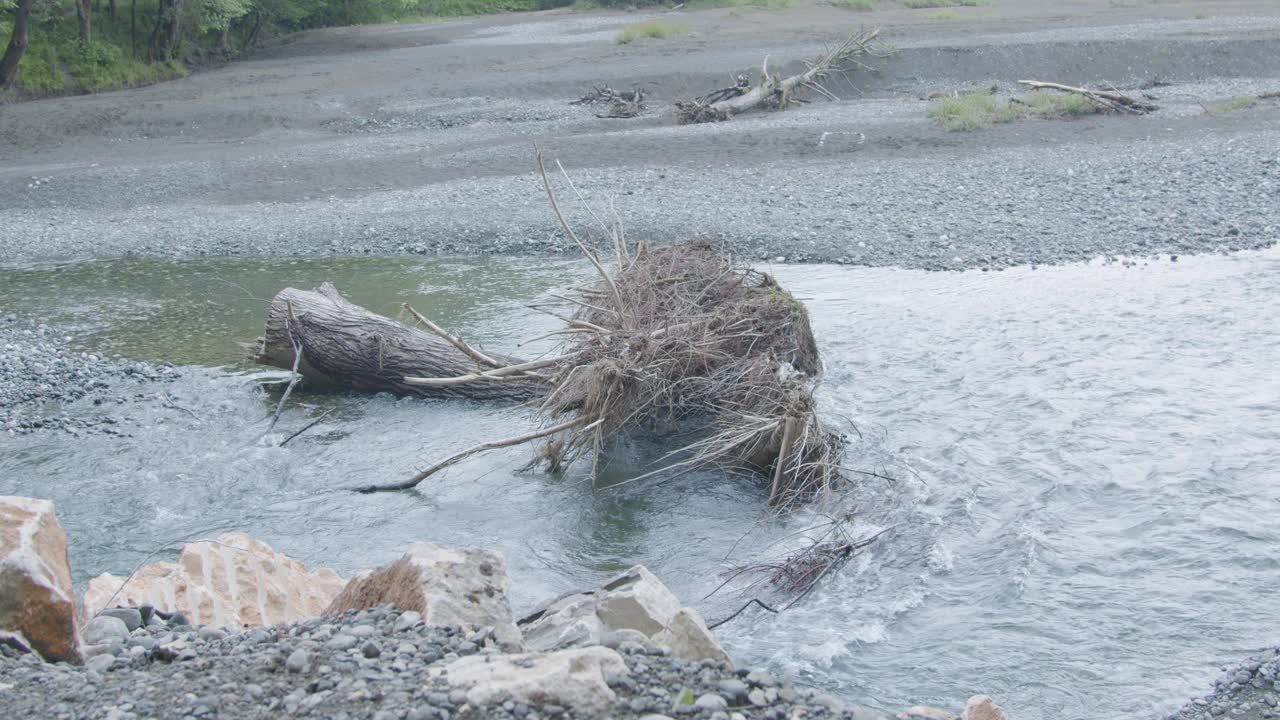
{"points": [[224, 41], [133, 27], [165, 35], [111, 11], [17, 43], [84, 13], [344, 344], [253, 34]]}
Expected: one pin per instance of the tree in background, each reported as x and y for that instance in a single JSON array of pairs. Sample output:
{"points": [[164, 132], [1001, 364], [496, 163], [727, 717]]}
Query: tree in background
{"points": [[84, 12], [17, 41]]}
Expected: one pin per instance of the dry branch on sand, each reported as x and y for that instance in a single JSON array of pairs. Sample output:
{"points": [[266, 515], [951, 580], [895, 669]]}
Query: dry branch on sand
{"points": [[668, 335], [775, 91], [1109, 101], [617, 104]]}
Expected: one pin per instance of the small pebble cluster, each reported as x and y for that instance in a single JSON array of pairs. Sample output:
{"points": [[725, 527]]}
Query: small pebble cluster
{"points": [[1248, 691], [40, 374], [361, 664]]}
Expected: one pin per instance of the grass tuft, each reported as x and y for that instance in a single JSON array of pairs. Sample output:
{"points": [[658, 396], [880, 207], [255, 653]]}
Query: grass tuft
{"points": [[924, 4], [656, 29], [1238, 102], [760, 4], [856, 5], [980, 109]]}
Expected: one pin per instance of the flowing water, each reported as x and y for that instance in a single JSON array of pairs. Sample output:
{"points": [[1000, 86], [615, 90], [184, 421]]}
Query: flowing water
{"points": [[1084, 519]]}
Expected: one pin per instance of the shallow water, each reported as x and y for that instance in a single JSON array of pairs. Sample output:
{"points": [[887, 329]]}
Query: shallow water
{"points": [[1084, 521]]}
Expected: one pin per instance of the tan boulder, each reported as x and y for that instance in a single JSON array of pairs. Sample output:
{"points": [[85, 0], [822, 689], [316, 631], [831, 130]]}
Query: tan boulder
{"points": [[36, 600], [574, 678], [234, 581], [982, 707], [464, 587]]}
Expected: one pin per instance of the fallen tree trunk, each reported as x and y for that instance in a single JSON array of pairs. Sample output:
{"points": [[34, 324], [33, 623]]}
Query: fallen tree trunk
{"points": [[777, 91], [344, 344]]}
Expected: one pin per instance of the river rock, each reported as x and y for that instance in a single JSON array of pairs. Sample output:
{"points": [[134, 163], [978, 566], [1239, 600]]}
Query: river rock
{"points": [[131, 617], [464, 587], [36, 600], [106, 630], [573, 678], [982, 707], [234, 581], [635, 600]]}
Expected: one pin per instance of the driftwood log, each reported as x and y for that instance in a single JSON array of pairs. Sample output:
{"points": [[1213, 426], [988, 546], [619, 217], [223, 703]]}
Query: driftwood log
{"points": [[778, 92], [344, 344], [1111, 101]]}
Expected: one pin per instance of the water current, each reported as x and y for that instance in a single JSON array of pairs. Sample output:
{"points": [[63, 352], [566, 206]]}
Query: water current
{"points": [[1083, 515]]}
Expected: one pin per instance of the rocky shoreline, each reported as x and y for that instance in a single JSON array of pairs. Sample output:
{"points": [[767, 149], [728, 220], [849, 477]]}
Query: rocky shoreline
{"points": [[232, 630], [41, 376], [1249, 690]]}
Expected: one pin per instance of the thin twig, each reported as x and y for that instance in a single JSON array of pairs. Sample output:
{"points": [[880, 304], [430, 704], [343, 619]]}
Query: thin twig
{"points": [[752, 601], [453, 340], [297, 358], [453, 459]]}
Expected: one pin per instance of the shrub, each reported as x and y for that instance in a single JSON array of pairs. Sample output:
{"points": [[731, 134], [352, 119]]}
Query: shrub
{"points": [[656, 29]]}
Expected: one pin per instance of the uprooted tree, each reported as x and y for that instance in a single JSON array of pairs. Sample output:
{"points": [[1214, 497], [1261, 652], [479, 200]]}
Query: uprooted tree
{"points": [[664, 335], [777, 92]]}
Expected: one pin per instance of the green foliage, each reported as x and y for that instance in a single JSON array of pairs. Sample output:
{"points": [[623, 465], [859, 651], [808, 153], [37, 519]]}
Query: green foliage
{"points": [[38, 70], [656, 29], [1238, 102], [213, 15], [104, 66], [858, 5], [919, 4], [762, 4], [979, 109]]}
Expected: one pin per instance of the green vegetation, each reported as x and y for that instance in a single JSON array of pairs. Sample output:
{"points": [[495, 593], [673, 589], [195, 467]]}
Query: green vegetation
{"points": [[761, 4], [146, 41], [38, 70], [1238, 102], [982, 108], [921, 4], [656, 29], [858, 5]]}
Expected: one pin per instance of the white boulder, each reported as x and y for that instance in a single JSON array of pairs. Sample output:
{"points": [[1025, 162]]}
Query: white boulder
{"points": [[573, 678], [233, 581], [635, 601], [464, 587], [36, 600]]}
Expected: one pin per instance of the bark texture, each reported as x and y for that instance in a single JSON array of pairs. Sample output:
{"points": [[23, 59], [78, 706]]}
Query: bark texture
{"points": [[84, 13], [17, 43], [344, 344]]}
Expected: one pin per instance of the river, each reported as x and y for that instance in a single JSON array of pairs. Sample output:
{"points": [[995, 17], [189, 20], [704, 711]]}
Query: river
{"points": [[1083, 516]]}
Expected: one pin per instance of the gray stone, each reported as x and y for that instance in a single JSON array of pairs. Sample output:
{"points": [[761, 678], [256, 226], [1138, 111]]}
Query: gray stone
{"points": [[370, 649], [99, 663], [710, 701], [131, 617], [103, 629], [298, 661], [407, 620], [734, 689], [341, 642]]}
